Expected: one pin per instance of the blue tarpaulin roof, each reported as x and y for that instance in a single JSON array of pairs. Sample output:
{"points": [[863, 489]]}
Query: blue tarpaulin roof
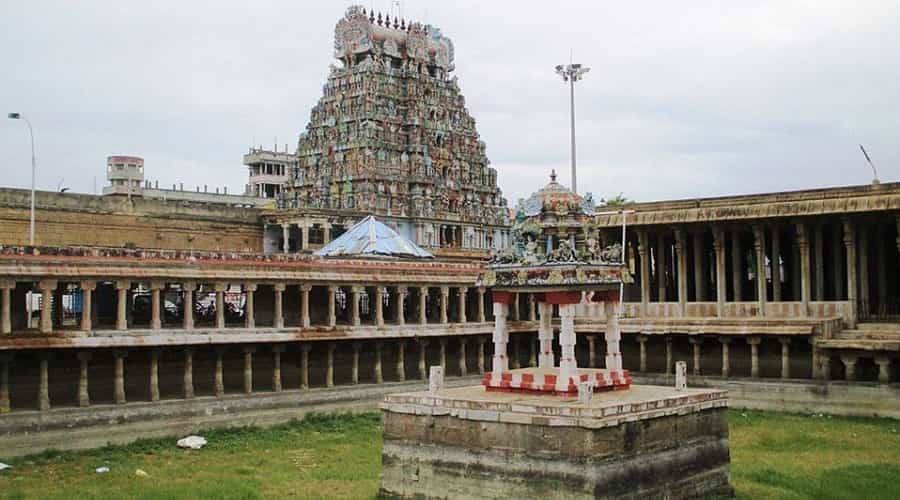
{"points": [[369, 237]]}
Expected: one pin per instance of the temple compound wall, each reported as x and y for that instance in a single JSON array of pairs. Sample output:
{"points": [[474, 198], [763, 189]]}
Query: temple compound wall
{"points": [[131, 328], [63, 219]]}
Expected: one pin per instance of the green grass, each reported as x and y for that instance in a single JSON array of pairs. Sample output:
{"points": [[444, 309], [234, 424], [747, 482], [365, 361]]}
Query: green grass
{"points": [[773, 456], [800, 456]]}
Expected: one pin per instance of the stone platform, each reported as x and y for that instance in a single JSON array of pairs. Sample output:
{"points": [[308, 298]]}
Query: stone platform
{"points": [[547, 381], [646, 442]]}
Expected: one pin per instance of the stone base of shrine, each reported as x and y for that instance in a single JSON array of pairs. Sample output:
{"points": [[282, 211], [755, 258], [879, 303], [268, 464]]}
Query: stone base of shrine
{"points": [[468, 443], [546, 381]]}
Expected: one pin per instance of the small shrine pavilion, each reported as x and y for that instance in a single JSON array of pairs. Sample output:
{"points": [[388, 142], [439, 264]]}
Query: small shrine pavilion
{"points": [[556, 255]]}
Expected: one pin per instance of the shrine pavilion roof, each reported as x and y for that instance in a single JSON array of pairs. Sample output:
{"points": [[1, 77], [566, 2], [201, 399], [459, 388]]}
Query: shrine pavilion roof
{"points": [[372, 238]]}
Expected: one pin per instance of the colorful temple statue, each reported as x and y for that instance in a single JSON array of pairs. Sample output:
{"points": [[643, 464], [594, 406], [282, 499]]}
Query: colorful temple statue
{"points": [[391, 136], [556, 256]]}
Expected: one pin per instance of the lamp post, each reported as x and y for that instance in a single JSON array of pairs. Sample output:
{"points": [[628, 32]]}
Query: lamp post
{"points": [[572, 73], [19, 116]]}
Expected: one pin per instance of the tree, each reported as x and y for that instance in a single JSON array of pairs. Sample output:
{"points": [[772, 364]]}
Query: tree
{"points": [[616, 201]]}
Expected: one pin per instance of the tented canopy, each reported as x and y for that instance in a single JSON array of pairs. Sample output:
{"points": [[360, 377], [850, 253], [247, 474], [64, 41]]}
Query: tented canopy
{"points": [[371, 238]]}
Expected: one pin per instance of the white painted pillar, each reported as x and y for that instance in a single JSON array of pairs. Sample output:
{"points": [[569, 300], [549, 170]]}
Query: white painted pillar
{"points": [[545, 335], [568, 365], [501, 338], [613, 337]]}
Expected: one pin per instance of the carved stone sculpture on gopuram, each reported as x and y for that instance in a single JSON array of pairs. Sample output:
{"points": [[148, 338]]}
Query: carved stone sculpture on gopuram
{"points": [[391, 134]]}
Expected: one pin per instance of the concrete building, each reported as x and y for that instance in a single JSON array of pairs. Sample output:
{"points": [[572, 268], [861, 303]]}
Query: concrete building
{"points": [[269, 172]]}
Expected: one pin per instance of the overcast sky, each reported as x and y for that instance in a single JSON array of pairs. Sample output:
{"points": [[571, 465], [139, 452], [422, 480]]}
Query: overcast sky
{"points": [[685, 99]]}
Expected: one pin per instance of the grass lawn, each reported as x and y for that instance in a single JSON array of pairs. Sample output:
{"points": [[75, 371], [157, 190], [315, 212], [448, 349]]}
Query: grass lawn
{"points": [[773, 456]]}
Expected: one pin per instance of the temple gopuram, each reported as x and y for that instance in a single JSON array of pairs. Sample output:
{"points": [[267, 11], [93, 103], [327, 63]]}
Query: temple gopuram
{"points": [[391, 136]]}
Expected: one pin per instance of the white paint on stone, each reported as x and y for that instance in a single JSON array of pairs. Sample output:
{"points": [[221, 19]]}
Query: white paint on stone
{"points": [[435, 379], [680, 376]]}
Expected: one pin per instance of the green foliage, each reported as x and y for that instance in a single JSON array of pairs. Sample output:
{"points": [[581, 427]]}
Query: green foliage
{"points": [[616, 201]]}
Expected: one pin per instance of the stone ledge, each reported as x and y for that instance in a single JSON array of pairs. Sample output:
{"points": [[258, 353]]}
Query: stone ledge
{"points": [[606, 409]]}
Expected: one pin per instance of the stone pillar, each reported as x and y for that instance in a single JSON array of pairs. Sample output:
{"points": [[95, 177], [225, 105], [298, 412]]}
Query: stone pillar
{"points": [[188, 379], [249, 307], [514, 307], [568, 365], [220, 304], [850, 246], [864, 271], [849, 361], [668, 355], [819, 245], [304, 305], [401, 359], [84, 398], [443, 353], [423, 355], [285, 236], [304, 235], [304, 365], [480, 342], [354, 367], [5, 360], [354, 305], [248, 369], [462, 304], [481, 304], [463, 369], [500, 362], [884, 369], [644, 253], [776, 264], [737, 266], [661, 265], [754, 355], [332, 318], [119, 381], [122, 288], [696, 343], [726, 356], [156, 299], [699, 275], [278, 309], [681, 270], [277, 349], [592, 351], [545, 335], [43, 402], [154, 374], [379, 306], [532, 352], [803, 247], [445, 296], [785, 357], [516, 353], [219, 375], [326, 228], [423, 310], [87, 305], [6, 287], [838, 263], [759, 245], [399, 301], [188, 304], [46, 287], [329, 364], [642, 340], [379, 378], [721, 284], [532, 308]]}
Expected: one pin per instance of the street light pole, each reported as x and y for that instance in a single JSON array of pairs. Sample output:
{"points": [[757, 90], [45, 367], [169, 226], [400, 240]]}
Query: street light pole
{"points": [[19, 116], [572, 73]]}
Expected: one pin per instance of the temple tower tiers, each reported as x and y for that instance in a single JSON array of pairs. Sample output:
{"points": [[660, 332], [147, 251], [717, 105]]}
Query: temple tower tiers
{"points": [[391, 134]]}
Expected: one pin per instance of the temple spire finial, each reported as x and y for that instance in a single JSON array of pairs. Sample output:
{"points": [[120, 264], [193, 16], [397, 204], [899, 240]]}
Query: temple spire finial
{"points": [[553, 175]]}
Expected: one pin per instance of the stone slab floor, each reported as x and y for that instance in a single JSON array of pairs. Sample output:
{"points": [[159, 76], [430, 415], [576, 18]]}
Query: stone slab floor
{"points": [[773, 456]]}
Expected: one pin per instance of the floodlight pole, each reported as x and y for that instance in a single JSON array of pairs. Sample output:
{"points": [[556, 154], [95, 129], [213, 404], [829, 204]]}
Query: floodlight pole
{"points": [[571, 73], [19, 116]]}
